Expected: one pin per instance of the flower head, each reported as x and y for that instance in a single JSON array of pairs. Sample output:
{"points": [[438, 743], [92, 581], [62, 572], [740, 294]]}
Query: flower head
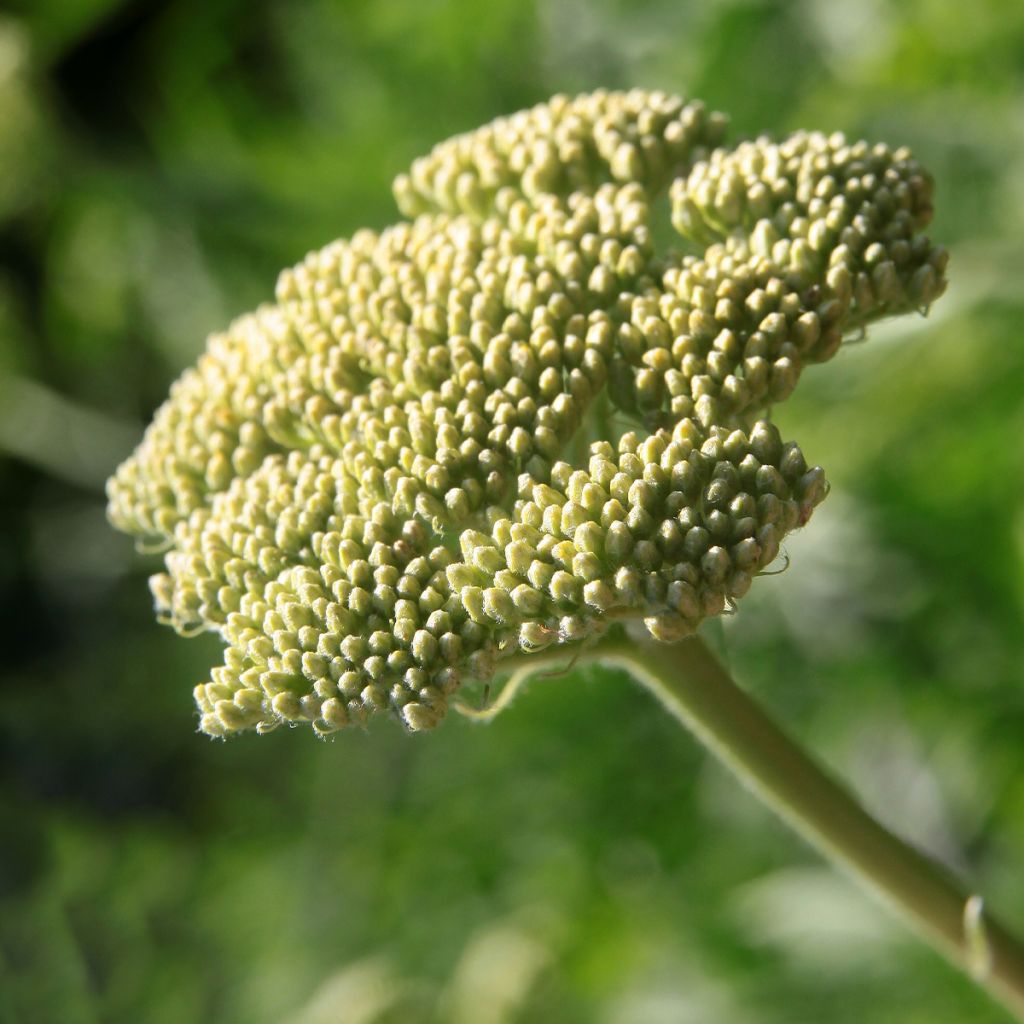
{"points": [[510, 420]]}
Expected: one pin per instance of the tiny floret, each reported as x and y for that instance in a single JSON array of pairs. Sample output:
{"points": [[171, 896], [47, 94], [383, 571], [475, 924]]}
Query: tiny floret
{"points": [[511, 419]]}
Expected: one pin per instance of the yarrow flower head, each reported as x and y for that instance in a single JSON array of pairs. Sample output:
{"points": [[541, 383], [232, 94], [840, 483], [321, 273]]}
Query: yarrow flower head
{"points": [[510, 420]]}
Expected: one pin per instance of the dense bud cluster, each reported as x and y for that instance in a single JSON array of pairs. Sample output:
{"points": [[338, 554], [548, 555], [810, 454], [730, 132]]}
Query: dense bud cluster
{"points": [[508, 422]]}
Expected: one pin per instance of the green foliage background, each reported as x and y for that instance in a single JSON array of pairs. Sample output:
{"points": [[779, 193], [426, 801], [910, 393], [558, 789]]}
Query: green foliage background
{"points": [[579, 860]]}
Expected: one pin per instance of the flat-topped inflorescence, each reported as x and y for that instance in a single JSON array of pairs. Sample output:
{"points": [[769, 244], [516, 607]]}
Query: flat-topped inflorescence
{"points": [[510, 421]]}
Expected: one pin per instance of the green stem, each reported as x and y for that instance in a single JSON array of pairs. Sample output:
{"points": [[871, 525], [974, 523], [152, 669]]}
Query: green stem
{"points": [[693, 686]]}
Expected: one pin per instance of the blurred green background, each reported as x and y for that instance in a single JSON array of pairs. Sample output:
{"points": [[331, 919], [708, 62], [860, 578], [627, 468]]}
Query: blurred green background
{"points": [[580, 860]]}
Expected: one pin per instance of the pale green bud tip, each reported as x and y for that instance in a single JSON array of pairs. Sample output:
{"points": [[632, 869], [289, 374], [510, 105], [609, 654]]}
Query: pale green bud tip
{"points": [[307, 477]]}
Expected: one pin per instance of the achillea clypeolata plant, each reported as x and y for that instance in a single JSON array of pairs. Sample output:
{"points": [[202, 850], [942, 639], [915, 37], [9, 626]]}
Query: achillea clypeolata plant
{"points": [[512, 429], [408, 467]]}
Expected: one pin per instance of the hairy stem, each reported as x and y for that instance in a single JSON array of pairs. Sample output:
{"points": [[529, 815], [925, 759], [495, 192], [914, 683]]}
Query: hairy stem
{"points": [[696, 689]]}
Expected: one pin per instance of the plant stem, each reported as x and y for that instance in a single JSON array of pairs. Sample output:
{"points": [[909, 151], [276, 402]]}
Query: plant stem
{"points": [[696, 689]]}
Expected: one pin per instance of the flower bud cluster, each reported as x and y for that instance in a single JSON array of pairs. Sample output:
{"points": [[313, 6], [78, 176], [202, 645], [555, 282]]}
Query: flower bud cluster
{"points": [[806, 241], [209, 431], [367, 488], [836, 223], [669, 528], [560, 147]]}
